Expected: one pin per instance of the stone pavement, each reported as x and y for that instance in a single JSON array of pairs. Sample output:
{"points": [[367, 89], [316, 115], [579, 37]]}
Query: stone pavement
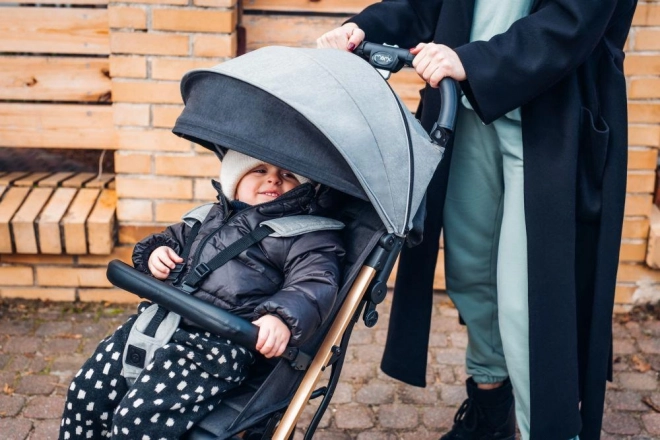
{"points": [[42, 345]]}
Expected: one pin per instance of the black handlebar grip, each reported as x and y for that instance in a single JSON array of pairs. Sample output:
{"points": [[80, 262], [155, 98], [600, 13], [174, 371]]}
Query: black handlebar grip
{"points": [[195, 310]]}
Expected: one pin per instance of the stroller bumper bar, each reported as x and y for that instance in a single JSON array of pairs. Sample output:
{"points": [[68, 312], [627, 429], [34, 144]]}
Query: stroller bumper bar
{"points": [[195, 310]]}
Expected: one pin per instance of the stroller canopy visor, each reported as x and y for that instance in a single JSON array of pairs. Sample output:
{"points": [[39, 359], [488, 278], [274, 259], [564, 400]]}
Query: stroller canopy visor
{"points": [[325, 114]]}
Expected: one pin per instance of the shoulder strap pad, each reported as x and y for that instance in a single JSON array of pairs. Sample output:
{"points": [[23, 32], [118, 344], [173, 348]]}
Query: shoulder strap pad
{"points": [[197, 214], [301, 224]]}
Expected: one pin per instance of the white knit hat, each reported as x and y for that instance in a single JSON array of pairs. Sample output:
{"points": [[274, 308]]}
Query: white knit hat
{"points": [[234, 166]]}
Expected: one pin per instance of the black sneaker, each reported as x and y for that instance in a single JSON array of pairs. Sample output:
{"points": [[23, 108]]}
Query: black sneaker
{"points": [[485, 415]]}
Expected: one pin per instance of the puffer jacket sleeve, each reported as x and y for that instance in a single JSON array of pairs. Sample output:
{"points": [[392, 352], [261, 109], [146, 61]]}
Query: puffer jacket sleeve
{"points": [[173, 237], [312, 274]]}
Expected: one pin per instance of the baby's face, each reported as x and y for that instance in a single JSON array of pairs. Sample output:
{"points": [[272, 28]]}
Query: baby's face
{"points": [[264, 183]]}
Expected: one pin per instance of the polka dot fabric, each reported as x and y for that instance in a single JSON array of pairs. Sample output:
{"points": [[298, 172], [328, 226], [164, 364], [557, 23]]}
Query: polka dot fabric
{"points": [[183, 383]]}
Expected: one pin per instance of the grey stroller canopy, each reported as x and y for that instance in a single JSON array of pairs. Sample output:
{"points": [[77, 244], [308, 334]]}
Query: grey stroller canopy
{"points": [[325, 114]]}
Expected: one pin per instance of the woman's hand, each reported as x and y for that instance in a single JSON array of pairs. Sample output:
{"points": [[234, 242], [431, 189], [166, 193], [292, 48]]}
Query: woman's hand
{"points": [[433, 62], [161, 261], [273, 335], [346, 37]]}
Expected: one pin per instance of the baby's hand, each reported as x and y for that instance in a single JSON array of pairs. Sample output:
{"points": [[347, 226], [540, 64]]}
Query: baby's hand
{"points": [[162, 260], [273, 335]]}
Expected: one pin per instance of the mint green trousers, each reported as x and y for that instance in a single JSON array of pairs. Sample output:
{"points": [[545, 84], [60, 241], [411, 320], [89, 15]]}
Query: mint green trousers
{"points": [[486, 252]]}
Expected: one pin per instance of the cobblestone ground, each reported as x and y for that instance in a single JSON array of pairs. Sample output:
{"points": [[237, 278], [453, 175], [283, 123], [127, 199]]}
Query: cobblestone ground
{"points": [[42, 345]]}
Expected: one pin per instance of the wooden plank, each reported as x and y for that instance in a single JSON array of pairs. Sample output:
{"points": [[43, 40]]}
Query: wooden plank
{"points": [[10, 203], [56, 126], [25, 237], [284, 30], [100, 181], [48, 225], [54, 79], [54, 180], [31, 179], [101, 224], [334, 6], [78, 180], [54, 30], [73, 223], [9, 178]]}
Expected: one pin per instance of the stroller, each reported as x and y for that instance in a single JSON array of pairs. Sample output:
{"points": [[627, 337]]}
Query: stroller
{"points": [[274, 104]]}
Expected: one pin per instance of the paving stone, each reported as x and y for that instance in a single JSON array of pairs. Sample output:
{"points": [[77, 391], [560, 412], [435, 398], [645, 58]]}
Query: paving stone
{"points": [[438, 418], [60, 346], [7, 378], [620, 423], [37, 384], [367, 353], [445, 374], [362, 337], [67, 363], [343, 393], [652, 423], [649, 345], [15, 429], [22, 345], [28, 363], [419, 434], [460, 374], [619, 331], [654, 360], [380, 336], [45, 430], [4, 360], [355, 372], [450, 356], [11, 405], [44, 407], [459, 340], [92, 330], [398, 416], [626, 401], [331, 435], [416, 395], [438, 340], [308, 413], [353, 417], [16, 328], [639, 381], [376, 435], [54, 329], [375, 393], [624, 346], [453, 394]]}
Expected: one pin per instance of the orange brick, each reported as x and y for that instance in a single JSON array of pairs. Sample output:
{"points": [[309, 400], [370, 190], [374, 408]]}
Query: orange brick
{"points": [[644, 112], [633, 251], [647, 39], [127, 17], [132, 163], [171, 212], [175, 68], [215, 45], [72, 277], [644, 88], [165, 115], [647, 14], [128, 66], [639, 204], [153, 2], [16, 276], [39, 293], [633, 273], [198, 149], [624, 293], [161, 92], [134, 210], [642, 159], [36, 259], [150, 140], [644, 135], [641, 182], [117, 296], [154, 188], [130, 114], [636, 228], [148, 44], [191, 166], [131, 234], [202, 20], [215, 3], [204, 190], [123, 253], [641, 64]]}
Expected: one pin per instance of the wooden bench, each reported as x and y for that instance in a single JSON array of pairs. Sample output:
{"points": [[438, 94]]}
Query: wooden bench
{"points": [[57, 213]]}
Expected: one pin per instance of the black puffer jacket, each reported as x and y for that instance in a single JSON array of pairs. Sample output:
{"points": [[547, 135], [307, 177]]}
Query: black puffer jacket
{"points": [[294, 278]]}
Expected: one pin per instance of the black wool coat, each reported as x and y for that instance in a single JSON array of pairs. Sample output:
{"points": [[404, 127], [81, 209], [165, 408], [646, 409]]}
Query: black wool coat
{"points": [[563, 65]]}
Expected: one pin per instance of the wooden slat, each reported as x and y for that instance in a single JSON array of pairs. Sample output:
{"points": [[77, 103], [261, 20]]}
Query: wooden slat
{"points": [[78, 180], [10, 203], [101, 224], [31, 179], [25, 237], [335, 6], [56, 126], [100, 182], [48, 225], [54, 79], [75, 240], [54, 180], [281, 30], [9, 178], [54, 30]]}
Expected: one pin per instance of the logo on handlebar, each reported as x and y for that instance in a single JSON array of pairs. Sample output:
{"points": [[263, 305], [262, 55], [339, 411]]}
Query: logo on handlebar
{"points": [[383, 58]]}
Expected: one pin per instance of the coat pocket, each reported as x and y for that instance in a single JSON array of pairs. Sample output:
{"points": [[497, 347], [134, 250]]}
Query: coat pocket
{"points": [[592, 157]]}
